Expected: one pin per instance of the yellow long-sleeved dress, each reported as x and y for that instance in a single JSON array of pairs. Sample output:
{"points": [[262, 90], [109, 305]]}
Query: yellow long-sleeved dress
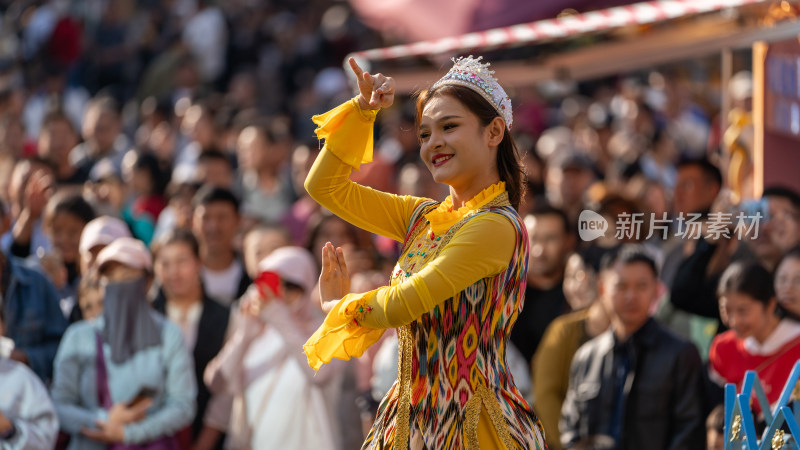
{"points": [[454, 295]]}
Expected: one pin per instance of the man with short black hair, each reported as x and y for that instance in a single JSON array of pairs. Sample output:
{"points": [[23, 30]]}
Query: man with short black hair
{"points": [[637, 385], [215, 223], [698, 184], [215, 168]]}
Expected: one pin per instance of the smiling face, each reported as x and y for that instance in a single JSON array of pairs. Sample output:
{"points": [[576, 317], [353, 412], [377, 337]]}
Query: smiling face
{"points": [[215, 225], [787, 285], [456, 148], [784, 223], [748, 316], [64, 230], [178, 270]]}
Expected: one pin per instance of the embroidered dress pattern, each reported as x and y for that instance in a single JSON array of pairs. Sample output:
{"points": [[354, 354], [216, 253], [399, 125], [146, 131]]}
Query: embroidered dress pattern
{"points": [[451, 361]]}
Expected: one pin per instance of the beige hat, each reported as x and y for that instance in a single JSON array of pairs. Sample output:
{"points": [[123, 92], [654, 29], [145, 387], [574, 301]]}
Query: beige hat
{"points": [[128, 251], [102, 231]]}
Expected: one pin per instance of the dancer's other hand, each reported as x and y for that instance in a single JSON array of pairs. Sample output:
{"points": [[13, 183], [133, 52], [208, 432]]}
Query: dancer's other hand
{"points": [[334, 281]]}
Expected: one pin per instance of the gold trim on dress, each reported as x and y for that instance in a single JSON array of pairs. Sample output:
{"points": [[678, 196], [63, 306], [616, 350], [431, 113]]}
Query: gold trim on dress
{"points": [[404, 394], [481, 399], [406, 344]]}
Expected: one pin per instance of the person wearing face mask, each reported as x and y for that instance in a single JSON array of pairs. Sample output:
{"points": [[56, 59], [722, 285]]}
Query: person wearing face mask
{"points": [[280, 402], [124, 380]]}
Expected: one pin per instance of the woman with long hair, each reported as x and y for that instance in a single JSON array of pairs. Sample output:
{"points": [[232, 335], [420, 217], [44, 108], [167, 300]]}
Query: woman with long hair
{"points": [[458, 287], [759, 338]]}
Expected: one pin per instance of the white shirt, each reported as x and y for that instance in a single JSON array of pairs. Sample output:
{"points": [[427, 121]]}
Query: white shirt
{"points": [[786, 331], [222, 285], [279, 381], [187, 320]]}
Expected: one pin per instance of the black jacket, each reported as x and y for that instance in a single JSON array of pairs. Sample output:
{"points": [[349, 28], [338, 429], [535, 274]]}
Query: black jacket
{"points": [[211, 331], [662, 396]]}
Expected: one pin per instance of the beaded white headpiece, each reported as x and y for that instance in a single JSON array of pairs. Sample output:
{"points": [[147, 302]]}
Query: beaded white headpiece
{"points": [[472, 73]]}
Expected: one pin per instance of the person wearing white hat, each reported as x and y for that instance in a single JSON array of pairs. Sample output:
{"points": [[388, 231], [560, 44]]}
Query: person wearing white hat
{"points": [[279, 401], [96, 235], [125, 377]]}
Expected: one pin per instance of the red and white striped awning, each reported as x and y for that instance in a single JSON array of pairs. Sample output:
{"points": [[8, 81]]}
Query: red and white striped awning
{"points": [[542, 31]]}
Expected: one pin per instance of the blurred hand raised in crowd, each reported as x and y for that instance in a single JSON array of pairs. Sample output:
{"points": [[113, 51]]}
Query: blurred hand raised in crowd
{"points": [[37, 193], [377, 91], [254, 301], [251, 305], [334, 280]]}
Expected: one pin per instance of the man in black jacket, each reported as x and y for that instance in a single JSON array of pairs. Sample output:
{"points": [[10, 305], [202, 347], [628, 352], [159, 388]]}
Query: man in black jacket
{"points": [[636, 386]]}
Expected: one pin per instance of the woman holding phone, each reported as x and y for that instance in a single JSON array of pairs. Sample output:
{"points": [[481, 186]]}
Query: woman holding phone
{"points": [[457, 289], [278, 401]]}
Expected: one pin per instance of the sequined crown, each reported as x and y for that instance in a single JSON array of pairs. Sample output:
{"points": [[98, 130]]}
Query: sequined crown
{"points": [[472, 73]]}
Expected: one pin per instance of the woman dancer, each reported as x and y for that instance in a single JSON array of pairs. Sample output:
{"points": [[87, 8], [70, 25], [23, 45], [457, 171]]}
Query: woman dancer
{"points": [[457, 289]]}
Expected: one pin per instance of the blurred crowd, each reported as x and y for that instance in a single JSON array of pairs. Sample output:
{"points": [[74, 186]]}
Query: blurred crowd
{"points": [[159, 253]]}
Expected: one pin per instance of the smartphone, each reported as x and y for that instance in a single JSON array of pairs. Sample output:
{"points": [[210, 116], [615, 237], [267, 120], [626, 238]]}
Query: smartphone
{"points": [[144, 393], [271, 281], [755, 208]]}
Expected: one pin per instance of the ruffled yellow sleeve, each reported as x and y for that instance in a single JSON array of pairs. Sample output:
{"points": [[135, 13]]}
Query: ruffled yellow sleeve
{"points": [[340, 336], [358, 320], [347, 131]]}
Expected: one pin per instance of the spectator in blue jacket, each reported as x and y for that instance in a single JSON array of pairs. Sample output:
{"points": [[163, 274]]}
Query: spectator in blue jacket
{"points": [[27, 417], [141, 389], [30, 307]]}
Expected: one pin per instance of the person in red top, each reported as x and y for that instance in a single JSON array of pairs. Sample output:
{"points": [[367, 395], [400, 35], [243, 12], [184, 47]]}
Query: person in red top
{"points": [[759, 339]]}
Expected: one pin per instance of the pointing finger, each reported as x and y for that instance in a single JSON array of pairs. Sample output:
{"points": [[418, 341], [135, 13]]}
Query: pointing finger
{"points": [[356, 68]]}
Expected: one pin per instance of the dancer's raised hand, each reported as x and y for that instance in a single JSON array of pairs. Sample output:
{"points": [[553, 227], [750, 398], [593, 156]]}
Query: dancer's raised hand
{"points": [[334, 281], [377, 91]]}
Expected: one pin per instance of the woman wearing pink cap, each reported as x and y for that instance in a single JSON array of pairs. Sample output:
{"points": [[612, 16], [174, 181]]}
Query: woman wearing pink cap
{"points": [[126, 378], [279, 401], [457, 289]]}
